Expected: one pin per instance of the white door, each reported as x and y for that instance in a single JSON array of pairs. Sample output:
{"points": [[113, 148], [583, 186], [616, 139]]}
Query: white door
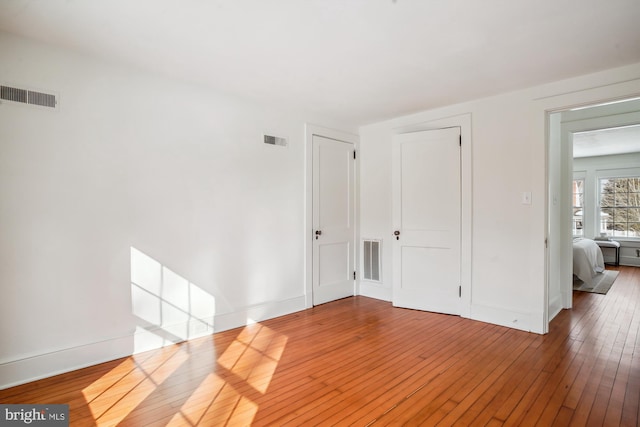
{"points": [[333, 219], [426, 218]]}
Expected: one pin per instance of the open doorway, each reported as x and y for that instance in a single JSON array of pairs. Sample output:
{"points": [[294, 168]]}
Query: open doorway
{"points": [[591, 150]]}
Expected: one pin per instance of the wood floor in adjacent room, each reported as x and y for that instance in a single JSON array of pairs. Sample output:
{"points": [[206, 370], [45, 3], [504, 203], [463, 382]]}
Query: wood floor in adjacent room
{"points": [[359, 361]]}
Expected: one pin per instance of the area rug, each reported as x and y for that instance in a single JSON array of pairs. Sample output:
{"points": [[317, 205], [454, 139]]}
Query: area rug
{"points": [[601, 282]]}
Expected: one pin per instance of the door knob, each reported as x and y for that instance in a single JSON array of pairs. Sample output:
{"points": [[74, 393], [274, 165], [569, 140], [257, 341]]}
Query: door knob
{"points": [[318, 233], [397, 234]]}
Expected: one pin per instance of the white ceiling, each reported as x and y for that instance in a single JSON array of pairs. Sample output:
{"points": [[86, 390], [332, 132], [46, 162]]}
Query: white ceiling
{"points": [[358, 61], [607, 141]]}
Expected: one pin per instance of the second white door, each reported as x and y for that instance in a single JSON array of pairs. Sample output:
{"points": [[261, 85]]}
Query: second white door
{"points": [[333, 219], [427, 219]]}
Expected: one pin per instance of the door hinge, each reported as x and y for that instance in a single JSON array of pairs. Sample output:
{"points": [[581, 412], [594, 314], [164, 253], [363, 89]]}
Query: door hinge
{"points": [[460, 291], [354, 275], [354, 154], [460, 139]]}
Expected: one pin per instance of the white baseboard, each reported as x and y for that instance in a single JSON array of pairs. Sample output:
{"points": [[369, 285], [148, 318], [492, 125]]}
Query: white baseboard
{"points": [[58, 362], [373, 290], [24, 370], [258, 313], [555, 306], [530, 322], [630, 261]]}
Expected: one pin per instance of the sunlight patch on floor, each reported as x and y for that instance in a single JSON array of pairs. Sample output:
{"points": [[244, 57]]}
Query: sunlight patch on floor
{"points": [[254, 355], [117, 393], [251, 360]]}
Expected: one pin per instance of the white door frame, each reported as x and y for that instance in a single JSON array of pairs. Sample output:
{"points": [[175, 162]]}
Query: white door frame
{"points": [[585, 119], [310, 131]]}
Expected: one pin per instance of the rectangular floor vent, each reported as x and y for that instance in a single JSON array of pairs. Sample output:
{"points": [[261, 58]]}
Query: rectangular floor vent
{"points": [[371, 254], [26, 96]]}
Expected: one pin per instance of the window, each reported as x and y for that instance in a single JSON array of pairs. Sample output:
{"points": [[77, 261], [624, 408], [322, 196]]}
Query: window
{"points": [[620, 206], [578, 207]]}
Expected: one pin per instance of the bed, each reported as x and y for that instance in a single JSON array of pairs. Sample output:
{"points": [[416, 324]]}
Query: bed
{"points": [[587, 259]]}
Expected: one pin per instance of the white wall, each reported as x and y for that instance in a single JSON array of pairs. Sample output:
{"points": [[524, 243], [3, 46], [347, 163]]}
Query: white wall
{"points": [[133, 163], [507, 283]]}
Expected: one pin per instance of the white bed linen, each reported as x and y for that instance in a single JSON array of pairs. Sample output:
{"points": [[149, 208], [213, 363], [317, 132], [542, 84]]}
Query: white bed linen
{"points": [[587, 259]]}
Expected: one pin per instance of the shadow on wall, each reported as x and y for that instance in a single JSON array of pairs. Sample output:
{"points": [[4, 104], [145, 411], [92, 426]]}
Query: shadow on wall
{"points": [[168, 308]]}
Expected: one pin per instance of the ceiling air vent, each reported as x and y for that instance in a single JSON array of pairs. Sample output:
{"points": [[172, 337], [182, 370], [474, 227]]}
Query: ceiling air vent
{"points": [[30, 97], [275, 140]]}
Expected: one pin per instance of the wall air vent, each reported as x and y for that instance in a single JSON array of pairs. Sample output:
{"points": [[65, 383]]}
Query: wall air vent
{"points": [[13, 94], [275, 140], [371, 264], [26, 96]]}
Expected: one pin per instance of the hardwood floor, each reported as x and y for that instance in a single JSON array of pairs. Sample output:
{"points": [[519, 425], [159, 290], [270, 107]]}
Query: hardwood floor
{"points": [[359, 361]]}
